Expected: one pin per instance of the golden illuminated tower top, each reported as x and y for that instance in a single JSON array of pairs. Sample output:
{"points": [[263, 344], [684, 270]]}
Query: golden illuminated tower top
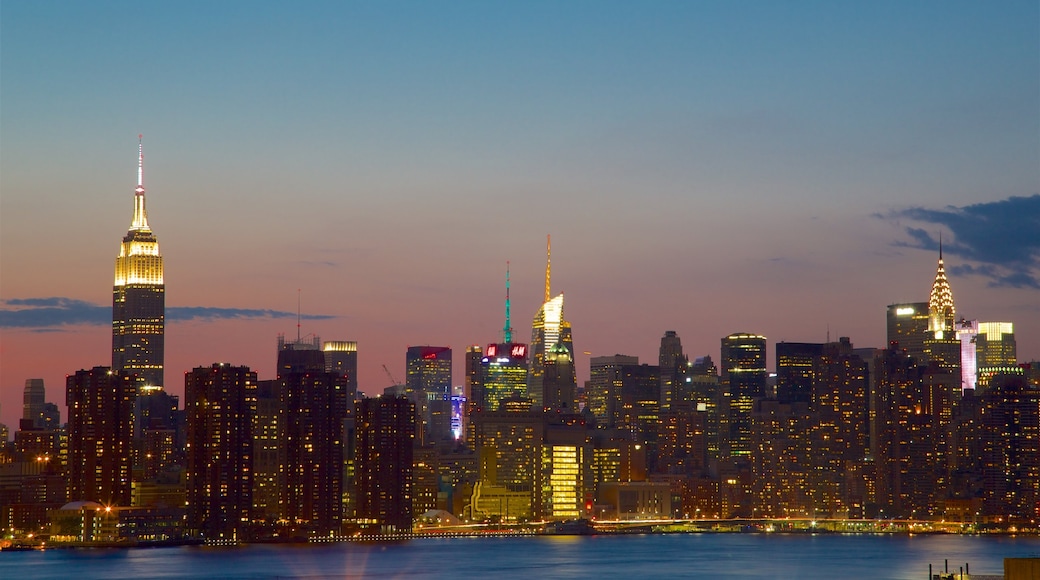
{"points": [[940, 303], [139, 261]]}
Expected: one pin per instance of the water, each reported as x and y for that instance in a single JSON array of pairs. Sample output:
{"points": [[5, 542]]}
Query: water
{"points": [[633, 557]]}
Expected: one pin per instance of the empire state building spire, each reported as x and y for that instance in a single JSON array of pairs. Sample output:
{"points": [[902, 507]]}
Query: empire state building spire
{"points": [[140, 221], [940, 303]]}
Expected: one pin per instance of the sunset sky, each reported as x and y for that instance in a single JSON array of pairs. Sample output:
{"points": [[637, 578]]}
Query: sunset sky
{"points": [[783, 168]]}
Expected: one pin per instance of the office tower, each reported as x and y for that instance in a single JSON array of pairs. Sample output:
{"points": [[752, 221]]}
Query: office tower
{"points": [[139, 296], [995, 350], [604, 388], [503, 375], [341, 359], [743, 381], [907, 326], [318, 405], [941, 344], [967, 331], [220, 403], [781, 462], [386, 435], [33, 400], [795, 371], [559, 389], [100, 429], [673, 366], [705, 395], [548, 328], [941, 313], [428, 380], [640, 402], [563, 474]]}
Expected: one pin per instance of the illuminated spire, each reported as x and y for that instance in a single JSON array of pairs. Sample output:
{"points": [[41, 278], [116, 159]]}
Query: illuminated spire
{"points": [[140, 221], [507, 330], [940, 302], [548, 264]]}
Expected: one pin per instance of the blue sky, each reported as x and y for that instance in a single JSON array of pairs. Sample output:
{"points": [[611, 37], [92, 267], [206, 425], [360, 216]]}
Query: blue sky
{"points": [[705, 167]]}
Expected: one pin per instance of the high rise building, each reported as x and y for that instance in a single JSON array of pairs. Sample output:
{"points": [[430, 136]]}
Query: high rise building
{"points": [[967, 332], [907, 326], [743, 381], [318, 406], [428, 380], [559, 389], [100, 430], [673, 365], [604, 388], [341, 359], [220, 403], [941, 313], [548, 328], [795, 370], [941, 344], [139, 297], [386, 435], [503, 375], [33, 401], [996, 351]]}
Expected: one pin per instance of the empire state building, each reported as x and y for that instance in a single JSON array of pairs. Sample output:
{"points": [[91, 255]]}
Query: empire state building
{"points": [[139, 296]]}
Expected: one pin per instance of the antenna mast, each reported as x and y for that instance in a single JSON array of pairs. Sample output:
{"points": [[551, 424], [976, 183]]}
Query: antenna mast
{"points": [[298, 302], [507, 330], [548, 264]]}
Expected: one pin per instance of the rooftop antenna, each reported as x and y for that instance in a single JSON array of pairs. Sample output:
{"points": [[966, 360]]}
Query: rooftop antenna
{"points": [[940, 245], [548, 264], [298, 302], [507, 330]]}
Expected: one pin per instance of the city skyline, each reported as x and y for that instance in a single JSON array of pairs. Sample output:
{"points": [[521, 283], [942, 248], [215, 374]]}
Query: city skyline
{"points": [[789, 205]]}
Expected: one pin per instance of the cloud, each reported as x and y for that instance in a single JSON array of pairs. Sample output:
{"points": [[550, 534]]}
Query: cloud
{"points": [[49, 313], [1000, 240]]}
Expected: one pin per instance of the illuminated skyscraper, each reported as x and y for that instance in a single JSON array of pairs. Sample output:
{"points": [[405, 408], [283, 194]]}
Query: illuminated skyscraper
{"points": [[428, 380], [549, 328], [941, 343], [139, 296], [995, 350], [743, 381], [907, 326], [341, 359], [503, 374], [33, 401], [604, 388], [940, 303]]}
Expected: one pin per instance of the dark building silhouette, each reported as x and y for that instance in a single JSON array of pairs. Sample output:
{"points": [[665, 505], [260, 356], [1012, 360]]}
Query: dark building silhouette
{"points": [[1010, 425], [318, 405], [139, 297], [386, 435], [100, 429], [907, 326], [795, 370], [559, 387], [220, 403], [673, 365]]}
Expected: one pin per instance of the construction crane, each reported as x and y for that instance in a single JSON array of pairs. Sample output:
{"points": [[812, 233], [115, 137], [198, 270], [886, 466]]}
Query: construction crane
{"points": [[393, 381]]}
